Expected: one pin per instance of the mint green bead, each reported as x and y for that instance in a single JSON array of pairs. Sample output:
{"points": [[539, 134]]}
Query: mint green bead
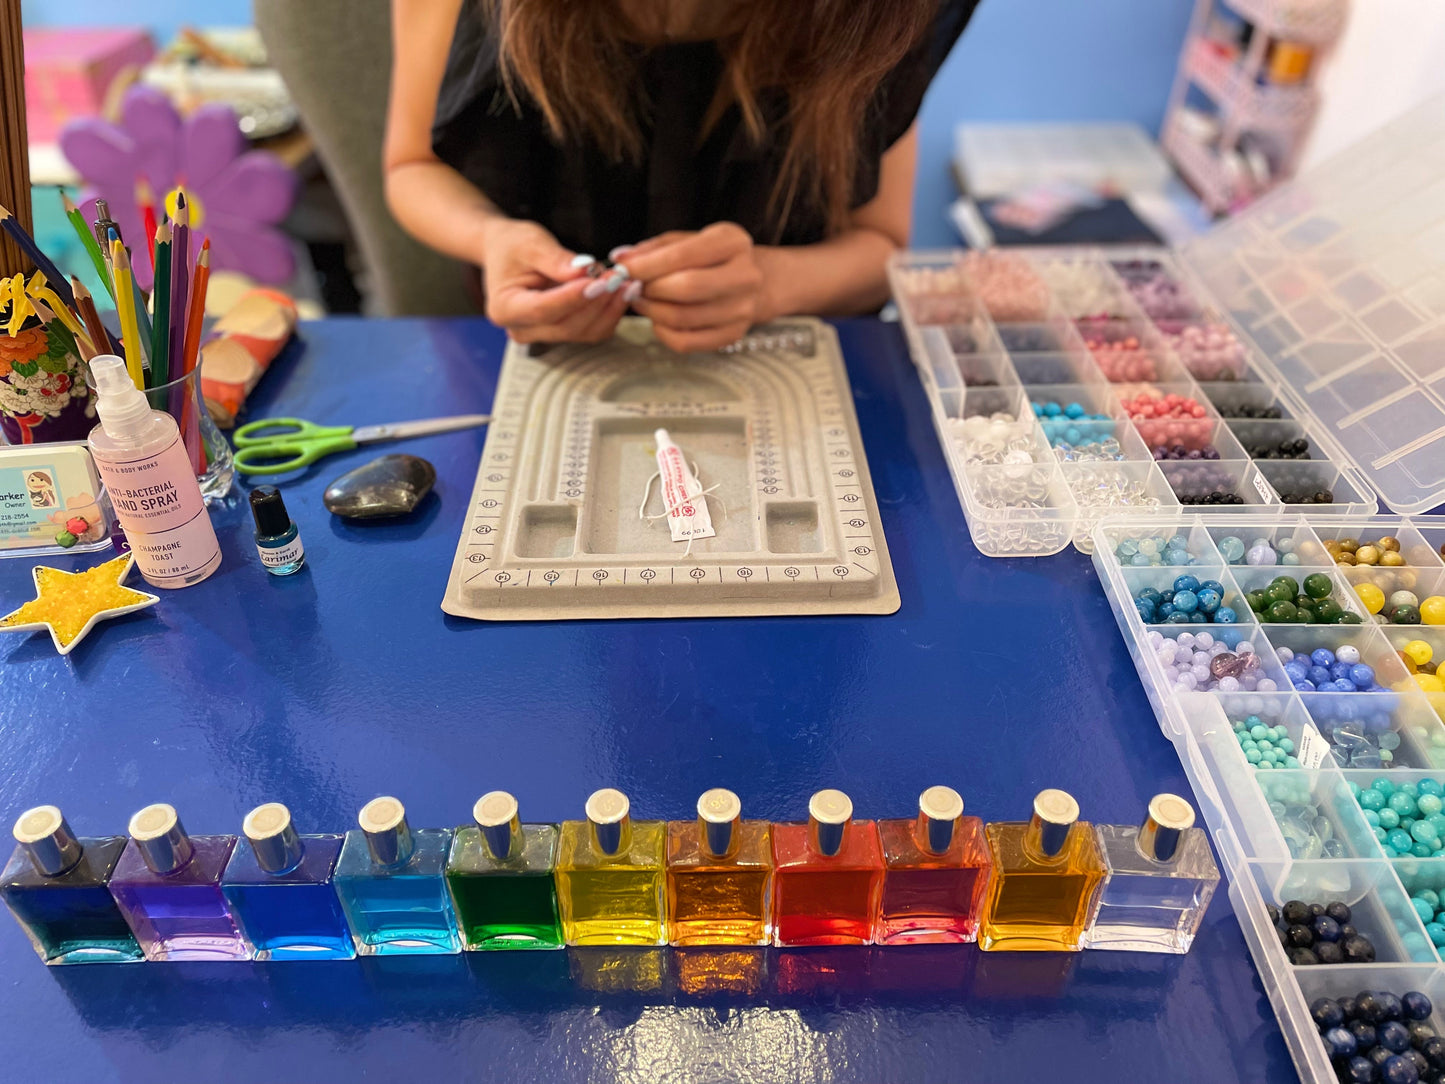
{"points": [[1428, 804], [1254, 756], [1259, 730], [1389, 818], [1291, 762], [1264, 764], [1287, 745]]}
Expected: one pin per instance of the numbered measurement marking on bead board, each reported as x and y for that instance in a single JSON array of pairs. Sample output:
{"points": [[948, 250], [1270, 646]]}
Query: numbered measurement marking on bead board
{"points": [[558, 525]]}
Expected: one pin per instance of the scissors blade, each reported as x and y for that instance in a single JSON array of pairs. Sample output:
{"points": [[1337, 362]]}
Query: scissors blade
{"points": [[367, 434]]}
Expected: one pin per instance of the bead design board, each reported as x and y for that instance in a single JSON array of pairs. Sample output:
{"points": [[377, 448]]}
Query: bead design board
{"points": [[557, 526], [1300, 832]]}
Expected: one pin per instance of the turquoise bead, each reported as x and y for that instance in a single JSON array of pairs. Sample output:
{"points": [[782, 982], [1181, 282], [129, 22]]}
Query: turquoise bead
{"points": [[1401, 840], [1291, 762], [1438, 820], [1435, 932], [1424, 909], [1254, 756], [1371, 798], [1411, 789], [1287, 746], [1383, 785], [1431, 787], [1421, 850], [1372, 818], [1402, 804], [1428, 804], [1389, 818], [1424, 832], [1379, 834], [1263, 764], [1430, 896], [1259, 730]]}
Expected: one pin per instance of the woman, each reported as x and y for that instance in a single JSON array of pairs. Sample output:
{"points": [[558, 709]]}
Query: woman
{"points": [[741, 159]]}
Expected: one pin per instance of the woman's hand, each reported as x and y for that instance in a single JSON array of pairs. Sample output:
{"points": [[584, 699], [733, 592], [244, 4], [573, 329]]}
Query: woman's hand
{"points": [[536, 293], [701, 290]]}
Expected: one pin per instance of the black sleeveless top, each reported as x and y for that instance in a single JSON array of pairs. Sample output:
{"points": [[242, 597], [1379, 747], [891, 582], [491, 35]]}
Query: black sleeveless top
{"points": [[592, 204]]}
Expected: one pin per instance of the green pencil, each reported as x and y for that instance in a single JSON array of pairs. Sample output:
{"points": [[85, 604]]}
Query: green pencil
{"points": [[161, 309], [87, 238]]}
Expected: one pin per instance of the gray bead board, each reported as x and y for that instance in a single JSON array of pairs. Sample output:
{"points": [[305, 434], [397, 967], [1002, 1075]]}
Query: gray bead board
{"points": [[554, 531]]}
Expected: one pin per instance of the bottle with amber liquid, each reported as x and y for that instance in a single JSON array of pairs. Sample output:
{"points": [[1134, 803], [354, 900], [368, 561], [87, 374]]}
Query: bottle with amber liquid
{"points": [[937, 873], [719, 869], [827, 876], [610, 875], [1046, 875]]}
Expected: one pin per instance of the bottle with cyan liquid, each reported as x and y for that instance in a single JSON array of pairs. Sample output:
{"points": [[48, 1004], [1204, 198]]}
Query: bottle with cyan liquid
{"points": [[147, 471]]}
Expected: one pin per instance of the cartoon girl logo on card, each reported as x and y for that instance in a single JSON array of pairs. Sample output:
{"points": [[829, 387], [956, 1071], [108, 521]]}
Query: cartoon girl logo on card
{"points": [[40, 488]]}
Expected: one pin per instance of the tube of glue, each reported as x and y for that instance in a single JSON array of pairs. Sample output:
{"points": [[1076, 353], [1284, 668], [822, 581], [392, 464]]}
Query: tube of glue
{"points": [[682, 496]]}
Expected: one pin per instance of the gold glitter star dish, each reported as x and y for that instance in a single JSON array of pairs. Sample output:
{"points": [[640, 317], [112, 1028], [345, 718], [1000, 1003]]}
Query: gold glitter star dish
{"points": [[70, 603]]}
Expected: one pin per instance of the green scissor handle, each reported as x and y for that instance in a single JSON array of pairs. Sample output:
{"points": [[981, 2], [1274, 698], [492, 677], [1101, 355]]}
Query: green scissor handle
{"points": [[278, 445]]}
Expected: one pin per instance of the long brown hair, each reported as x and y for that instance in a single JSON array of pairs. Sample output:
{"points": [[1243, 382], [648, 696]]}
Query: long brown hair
{"points": [[575, 61]]}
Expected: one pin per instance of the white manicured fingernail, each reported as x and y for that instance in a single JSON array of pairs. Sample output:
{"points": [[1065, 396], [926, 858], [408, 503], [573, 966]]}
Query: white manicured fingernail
{"points": [[595, 288], [633, 292], [582, 260], [618, 252], [614, 282]]}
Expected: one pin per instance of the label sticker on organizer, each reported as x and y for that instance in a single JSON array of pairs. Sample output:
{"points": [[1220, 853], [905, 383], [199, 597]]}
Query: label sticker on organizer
{"points": [[1266, 491], [1313, 749], [682, 493]]}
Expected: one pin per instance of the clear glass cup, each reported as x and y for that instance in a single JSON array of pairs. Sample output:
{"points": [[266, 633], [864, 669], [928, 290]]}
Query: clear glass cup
{"points": [[210, 453]]}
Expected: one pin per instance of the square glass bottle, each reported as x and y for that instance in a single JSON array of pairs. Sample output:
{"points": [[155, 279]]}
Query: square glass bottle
{"points": [[827, 876], [610, 876], [392, 884], [937, 873], [280, 890], [500, 878], [168, 886], [1046, 873], [55, 885], [1158, 882], [719, 871]]}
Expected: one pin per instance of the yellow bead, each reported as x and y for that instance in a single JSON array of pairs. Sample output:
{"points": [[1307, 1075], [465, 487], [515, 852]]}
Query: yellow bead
{"points": [[1432, 610], [1410, 666], [1392, 559], [1430, 683], [1367, 555], [1419, 651], [1371, 596]]}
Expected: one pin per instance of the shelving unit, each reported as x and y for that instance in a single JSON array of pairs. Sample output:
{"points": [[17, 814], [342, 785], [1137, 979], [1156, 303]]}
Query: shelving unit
{"points": [[1224, 158]]}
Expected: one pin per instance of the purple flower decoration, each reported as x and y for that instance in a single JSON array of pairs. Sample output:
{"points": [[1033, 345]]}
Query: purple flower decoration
{"points": [[236, 195]]}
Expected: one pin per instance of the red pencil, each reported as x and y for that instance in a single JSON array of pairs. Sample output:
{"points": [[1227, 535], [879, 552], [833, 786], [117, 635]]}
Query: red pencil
{"points": [[145, 201]]}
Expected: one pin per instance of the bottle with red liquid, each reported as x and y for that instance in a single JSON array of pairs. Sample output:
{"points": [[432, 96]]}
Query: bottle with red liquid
{"points": [[937, 873], [828, 875]]}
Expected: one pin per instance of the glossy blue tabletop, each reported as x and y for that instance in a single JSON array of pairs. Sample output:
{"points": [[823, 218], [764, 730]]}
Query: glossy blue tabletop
{"points": [[323, 690]]}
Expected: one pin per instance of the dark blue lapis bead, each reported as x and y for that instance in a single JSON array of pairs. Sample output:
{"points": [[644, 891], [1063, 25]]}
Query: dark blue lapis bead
{"points": [[1340, 1043], [1359, 1070], [1394, 1036], [1326, 1013], [1296, 912], [1300, 936], [1364, 1034], [1391, 1005], [1434, 1051], [1338, 911], [1347, 1004], [1398, 1070], [1379, 1055], [1325, 929], [1416, 1006], [1420, 1033]]}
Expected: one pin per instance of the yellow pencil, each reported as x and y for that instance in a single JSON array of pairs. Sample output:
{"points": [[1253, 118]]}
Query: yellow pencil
{"points": [[125, 308]]}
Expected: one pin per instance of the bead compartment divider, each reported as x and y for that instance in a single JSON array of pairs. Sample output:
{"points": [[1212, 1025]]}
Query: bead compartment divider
{"points": [[1234, 798], [940, 310]]}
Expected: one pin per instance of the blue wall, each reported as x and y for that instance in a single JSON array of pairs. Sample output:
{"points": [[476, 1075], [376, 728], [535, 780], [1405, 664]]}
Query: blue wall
{"points": [[1019, 60]]}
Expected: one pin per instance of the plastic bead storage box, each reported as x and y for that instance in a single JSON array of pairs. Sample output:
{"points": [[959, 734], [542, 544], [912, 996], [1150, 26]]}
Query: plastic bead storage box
{"points": [[1313, 738], [1293, 359]]}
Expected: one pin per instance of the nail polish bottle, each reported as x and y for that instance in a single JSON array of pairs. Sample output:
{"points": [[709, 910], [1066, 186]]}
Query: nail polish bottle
{"points": [[55, 885], [279, 887], [610, 876], [827, 876], [392, 884], [168, 885], [719, 871], [937, 873], [278, 540], [1159, 881], [1046, 874], [500, 878]]}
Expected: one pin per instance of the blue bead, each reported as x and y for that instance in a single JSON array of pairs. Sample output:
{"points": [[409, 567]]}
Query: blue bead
{"points": [[1359, 1070], [1297, 670], [1074, 410], [1146, 610], [1174, 556], [1197, 618], [1212, 585], [1304, 686], [1186, 583], [1326, 928], [1416, 1006], [1322, 656], [1319, 674], [1339, 670], [1177, 618], [1393, 1035], [1340, 1043], [1152, 594], [1398, 1070], [1164, 609], [1423, 909], [1209, 599], [1225, 615], [1362, 675], [1185, 601], [1400, 840]]}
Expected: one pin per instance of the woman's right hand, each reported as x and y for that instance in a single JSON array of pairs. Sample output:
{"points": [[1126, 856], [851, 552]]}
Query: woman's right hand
{"points": [[536, 294]]}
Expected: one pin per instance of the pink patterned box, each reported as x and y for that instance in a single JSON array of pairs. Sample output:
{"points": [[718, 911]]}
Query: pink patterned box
{"points": [[69, 71]]}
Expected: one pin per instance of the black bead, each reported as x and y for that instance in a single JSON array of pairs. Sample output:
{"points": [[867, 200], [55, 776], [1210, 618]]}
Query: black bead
{"points": [[1391, 1005], [1273, 912], [1300, 936], [1379, 1055], [1358, 950], [1339, 911], [1303, 957], [1326, 1013], [1420, 1033], [1366, 1004], [1347, 1006], [1346, 930], [1434, 1051], [1329, 952]]}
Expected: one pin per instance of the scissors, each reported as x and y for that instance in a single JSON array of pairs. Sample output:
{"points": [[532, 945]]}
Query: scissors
{"points": [[278, 445]]}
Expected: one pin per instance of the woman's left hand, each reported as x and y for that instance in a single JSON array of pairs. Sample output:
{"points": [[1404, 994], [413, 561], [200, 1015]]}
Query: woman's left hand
{"points": [[701, 290]]}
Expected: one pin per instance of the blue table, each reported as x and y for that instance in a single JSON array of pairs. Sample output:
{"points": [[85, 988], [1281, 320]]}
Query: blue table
{"points": [[347, 681]]}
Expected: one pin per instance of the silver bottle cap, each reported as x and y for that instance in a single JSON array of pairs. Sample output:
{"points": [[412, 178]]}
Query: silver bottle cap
{"points": [[607, 809], [1169, 816], [273, 838], [719, 814], [496, 815], [939, 811], [1055, 812], [829, 812], [388, 836], [162, 842], [52, 845]]}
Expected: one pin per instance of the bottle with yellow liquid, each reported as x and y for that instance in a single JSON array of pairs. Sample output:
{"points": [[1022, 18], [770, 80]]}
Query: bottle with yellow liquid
{"points": [[610, 876], [1045, 881]]}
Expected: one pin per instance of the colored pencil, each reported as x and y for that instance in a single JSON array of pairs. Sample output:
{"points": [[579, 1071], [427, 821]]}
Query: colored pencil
{"points": [[142, 318], [180, 284], [87, 239], [125, 306], [99, 333], [145, 201], [196, 312], [78, 344], [161, 309], [52, 273]]}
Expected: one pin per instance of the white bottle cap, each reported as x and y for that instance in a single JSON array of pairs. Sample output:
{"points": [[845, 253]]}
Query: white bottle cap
{"points": [[122, 407]]}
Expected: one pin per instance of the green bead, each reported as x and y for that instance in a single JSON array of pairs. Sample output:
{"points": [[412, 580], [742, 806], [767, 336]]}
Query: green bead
{"points": [[1349, 617], [1257, 601], [1318, 585], [1288, 582], [1405, 615], [1282, 611], [1327, 611], [1278, 592]]}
